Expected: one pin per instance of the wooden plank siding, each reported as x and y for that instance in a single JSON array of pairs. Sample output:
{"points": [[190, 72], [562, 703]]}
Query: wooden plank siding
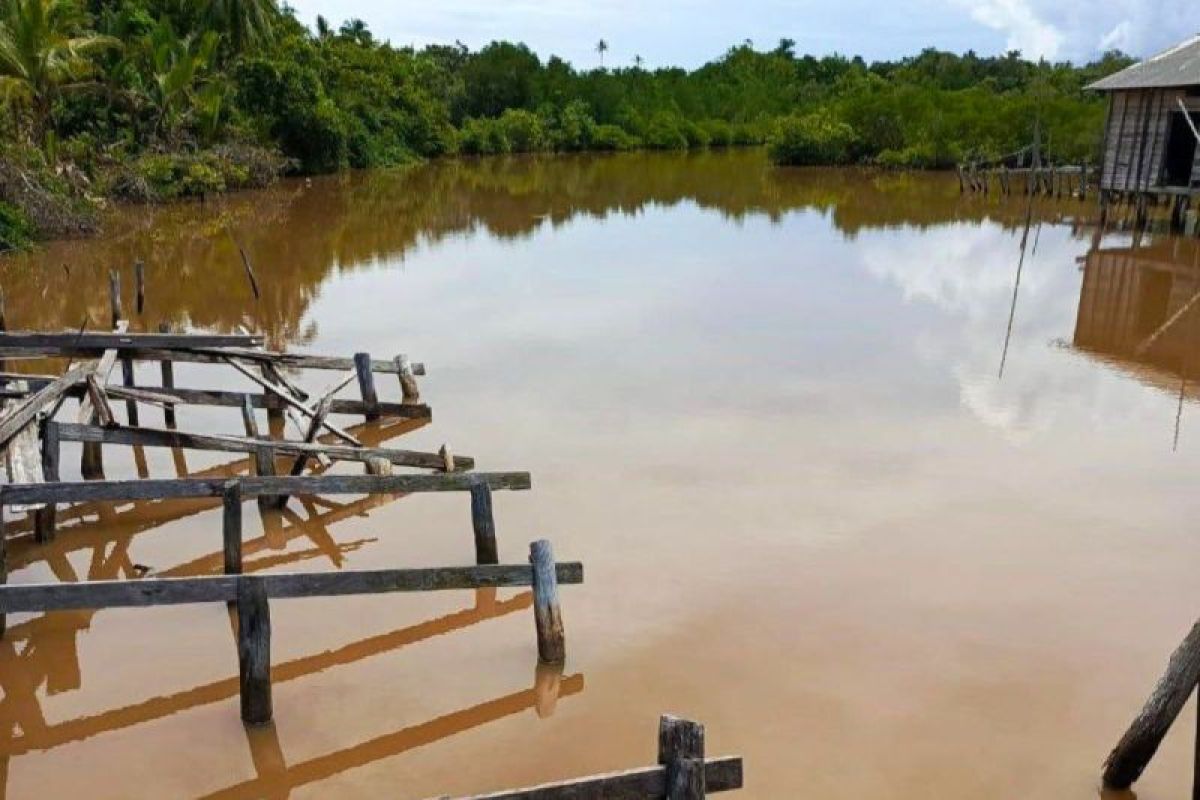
{"points": [[1136, 139]]}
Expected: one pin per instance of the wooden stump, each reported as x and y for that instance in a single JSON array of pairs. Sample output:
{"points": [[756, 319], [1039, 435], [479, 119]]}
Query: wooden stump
{"points": [[484, 524], [366, 385]]}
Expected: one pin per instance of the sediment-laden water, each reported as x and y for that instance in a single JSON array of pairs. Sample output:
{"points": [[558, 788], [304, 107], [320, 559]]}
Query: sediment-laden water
{"points": [[890, 523]]}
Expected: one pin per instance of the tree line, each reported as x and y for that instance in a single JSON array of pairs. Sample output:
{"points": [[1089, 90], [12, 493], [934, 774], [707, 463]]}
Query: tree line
{"points": [[156, 99]]}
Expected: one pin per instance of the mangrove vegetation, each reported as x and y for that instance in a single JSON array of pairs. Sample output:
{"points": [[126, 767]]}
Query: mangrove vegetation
{"points": [[151, 100]]}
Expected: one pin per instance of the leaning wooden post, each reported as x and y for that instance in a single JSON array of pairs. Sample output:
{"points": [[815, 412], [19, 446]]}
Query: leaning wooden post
{"points": [[254, 649], [408, 381], [139, 279], [483, 523], [681, 751], [231, 520], [366, 385], [46, 517], [118, 314], [264, 455], [1129, 758], [547, 615]]}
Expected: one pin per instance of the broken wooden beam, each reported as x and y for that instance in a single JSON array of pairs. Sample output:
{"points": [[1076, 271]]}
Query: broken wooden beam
{"points": [[174, 488], [212, 397], [22, 414]]}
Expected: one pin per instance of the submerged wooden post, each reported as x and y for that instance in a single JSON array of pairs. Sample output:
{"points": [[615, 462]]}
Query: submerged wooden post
{"points": [[408, 381], [1129, 758], [168, 380], [232, 526], [366, 385], [484, 524], [547, 615], [46, 517], [139, 279], [254, 649], [114, 297], [681, 751]]}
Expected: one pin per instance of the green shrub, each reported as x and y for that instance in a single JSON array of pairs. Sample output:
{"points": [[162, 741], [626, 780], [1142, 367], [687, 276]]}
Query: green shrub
{"points": [[16, 229], [483, 136], [720, 132], [664, 131], [523, 130], [575, 129], [816, 138], [612, 137], [695, 134]]}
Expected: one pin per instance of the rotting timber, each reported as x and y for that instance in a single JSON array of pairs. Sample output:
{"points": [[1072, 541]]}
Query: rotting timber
{"points": [[38, 412]]}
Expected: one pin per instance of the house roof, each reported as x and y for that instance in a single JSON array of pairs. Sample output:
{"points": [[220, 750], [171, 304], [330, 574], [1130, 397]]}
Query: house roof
{"points": [[1179, 66]]}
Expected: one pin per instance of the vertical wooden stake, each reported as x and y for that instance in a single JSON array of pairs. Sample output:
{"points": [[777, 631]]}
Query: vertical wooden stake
{"points": [[447, 458], [408, 381], [484, 524], [254, 649], [114, 296], [547, 616], [131, 408], [1196, 752], [168, 380], [264, 455], [139, 278], [681, 751], [3, 328], [366, 384], [3, 559], [46, 517], [232, 526]]}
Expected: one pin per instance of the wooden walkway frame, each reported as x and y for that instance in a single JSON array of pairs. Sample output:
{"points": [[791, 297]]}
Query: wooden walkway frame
{"points": [[682, 773], [251, 594]]}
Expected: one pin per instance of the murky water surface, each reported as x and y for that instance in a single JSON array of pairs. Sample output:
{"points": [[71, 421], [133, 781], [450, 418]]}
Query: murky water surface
{"points": [[890, 523]]}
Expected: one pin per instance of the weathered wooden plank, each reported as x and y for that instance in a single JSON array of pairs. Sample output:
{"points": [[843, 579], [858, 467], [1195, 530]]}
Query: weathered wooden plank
{"points": [[173, 488], [19, 340], [99, 400], [17, 418], [224, 588], [211, 356], [23, 455], [408, 383], [681, 751], [720, 775], [1133, 752]]}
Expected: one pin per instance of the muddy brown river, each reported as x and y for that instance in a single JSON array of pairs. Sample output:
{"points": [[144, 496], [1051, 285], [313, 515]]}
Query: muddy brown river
{"points": [[891, 523]]}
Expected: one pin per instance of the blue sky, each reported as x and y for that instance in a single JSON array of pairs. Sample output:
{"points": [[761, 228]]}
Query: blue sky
{"points": [[691, 32]]}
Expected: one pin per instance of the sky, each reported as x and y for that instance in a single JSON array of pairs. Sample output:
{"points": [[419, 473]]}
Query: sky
{"points": [[689, 33]]}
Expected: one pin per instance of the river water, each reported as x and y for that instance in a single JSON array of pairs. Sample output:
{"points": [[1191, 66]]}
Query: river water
{"points": [[890, 522]]}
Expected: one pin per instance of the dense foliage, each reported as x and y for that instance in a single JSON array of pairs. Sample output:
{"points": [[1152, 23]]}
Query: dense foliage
{"points": [[158, 99]]}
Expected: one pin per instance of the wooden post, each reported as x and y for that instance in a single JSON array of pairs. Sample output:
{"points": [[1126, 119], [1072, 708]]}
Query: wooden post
{"points": [[366, 385], [254, 649], [408, 381], [447, 458], [1196, 752], [1129, 758], [3, 328], [139, 278], [484, 524], [547, 615], [168, 380], [46, 517], [681, 751], [232, 526], [114, 296]]}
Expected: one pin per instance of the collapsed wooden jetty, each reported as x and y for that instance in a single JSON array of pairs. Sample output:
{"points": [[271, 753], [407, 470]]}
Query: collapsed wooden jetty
{"points": [[32, 432]]}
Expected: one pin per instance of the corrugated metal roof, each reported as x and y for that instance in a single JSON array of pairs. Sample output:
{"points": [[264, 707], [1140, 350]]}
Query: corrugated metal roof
{"points": [[1179, 66]]}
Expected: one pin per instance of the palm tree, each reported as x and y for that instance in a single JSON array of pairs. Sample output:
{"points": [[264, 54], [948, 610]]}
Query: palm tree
{"points": [[244, 23], [44, 53], [602, 48], [637, 62], [176, 67]]}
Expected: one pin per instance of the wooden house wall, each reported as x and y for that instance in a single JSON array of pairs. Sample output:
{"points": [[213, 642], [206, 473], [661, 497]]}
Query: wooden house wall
{"points": [[1136, 140]]}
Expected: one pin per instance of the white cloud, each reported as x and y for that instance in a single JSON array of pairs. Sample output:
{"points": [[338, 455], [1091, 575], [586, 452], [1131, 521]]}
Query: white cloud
{"points": [[1081, 29]]}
